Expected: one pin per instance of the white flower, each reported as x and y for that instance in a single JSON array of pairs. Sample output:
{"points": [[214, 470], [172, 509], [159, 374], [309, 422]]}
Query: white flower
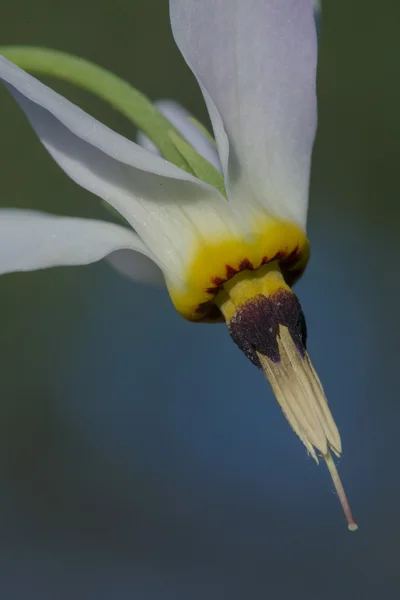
{"points": [[260, 91], [255, 62]]}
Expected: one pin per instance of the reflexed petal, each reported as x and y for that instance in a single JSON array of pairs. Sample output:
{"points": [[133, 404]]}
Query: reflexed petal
{"points": [[33, 240], [164, 204], [28, 89], [256, 63], [181, 119]]}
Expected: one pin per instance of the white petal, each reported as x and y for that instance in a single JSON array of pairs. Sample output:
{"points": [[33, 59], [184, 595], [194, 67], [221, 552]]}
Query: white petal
{"points": [[137, 267], [163, 203], [33, 240], [317, 15], [256, 63], [28, 89], [182, 120], [146, 143]]}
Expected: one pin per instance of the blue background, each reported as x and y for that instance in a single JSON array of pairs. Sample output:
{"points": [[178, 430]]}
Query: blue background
{"points": [[142, 456]]}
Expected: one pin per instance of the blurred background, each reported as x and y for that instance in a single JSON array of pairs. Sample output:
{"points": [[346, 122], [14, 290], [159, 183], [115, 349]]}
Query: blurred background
{"points": [[142, 456]]}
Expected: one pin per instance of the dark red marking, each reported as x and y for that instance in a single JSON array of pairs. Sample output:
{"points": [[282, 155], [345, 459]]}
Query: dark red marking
{"points": [[290, 271], [213, 290], [218, 281], [230, 272], [245, 264], [292, 258], [209, 310], [280, 255]]}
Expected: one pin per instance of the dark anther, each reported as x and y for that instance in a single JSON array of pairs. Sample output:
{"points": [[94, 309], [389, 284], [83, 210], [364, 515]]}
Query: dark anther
{"points": [[254, 327]]}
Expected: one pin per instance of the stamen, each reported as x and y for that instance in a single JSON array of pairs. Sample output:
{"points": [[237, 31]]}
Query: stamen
{"points": [[301, 397], [352, 525], [266, 321]]}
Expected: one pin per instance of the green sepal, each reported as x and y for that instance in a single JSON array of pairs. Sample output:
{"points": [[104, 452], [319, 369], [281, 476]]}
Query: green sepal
{"points": [[199, 165]]}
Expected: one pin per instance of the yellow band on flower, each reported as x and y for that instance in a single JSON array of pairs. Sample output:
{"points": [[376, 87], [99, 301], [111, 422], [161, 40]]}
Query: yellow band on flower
{"points": [[216, 262]]}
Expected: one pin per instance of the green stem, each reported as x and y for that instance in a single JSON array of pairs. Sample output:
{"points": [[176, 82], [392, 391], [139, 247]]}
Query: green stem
{"points": [[121, 95]]}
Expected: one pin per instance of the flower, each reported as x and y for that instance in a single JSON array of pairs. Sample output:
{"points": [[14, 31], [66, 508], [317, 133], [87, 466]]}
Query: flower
{"points": [[233, 258]]}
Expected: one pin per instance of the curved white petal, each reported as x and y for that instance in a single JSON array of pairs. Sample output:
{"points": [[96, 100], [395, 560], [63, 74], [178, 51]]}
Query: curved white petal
{"points": [[317, 15], [167, 206], [32, 240], [256, 63], [138, 267], [182, 120], [146, 143], [29, 89]]}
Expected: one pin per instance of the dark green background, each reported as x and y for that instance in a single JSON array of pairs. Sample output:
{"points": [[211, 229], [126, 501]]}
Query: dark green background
{"points": [[144, 457]]}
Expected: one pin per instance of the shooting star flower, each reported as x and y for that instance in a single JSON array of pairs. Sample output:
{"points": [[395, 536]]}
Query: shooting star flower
{"points": [[232, 257]]}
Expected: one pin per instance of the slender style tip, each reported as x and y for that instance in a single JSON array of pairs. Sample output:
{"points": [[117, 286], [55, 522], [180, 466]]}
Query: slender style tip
{"points": [[340, 492]]}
